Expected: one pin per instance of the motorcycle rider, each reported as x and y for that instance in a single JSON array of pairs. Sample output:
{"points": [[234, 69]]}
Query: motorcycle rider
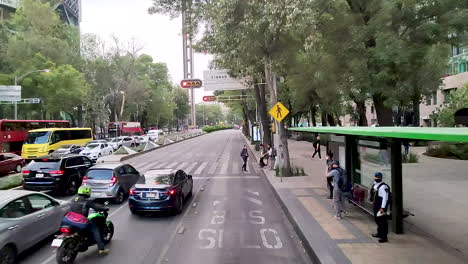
{"points": [[81, 205]]}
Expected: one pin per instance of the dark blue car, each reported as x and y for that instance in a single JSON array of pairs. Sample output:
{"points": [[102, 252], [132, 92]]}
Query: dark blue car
{"points": [[161, 190]]}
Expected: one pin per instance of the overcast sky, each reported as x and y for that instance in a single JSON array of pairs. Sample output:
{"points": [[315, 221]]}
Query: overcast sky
{"points": [[159, 35]]}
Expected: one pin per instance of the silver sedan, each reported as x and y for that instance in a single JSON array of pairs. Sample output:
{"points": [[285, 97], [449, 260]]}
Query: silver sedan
{"points": [[27, 218]]}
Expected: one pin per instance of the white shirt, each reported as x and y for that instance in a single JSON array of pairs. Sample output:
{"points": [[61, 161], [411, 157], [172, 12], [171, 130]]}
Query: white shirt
{"points": [[382, 193]]}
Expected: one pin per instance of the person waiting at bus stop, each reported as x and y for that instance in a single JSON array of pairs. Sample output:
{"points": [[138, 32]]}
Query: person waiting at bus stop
{"points": [[380, 197]]}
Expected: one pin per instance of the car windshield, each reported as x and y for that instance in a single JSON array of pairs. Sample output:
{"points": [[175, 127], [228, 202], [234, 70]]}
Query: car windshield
{"points": [[91, 146], [99, 174], [43, 165], [37, 137]]}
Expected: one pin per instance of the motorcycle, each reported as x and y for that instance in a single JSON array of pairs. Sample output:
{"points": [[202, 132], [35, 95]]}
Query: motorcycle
{"points": [[73, 240]]}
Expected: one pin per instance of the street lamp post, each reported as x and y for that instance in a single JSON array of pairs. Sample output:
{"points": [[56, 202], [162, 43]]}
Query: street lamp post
{"points": [[17, 79]]}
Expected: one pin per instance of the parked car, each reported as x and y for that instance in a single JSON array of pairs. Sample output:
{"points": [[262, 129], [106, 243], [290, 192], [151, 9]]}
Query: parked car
{"points": [[68, 149], [60, 173], [111, 181], [161, 190], [96, 150], [96, 141], [11, 162], [122, 141], [27, 218]]}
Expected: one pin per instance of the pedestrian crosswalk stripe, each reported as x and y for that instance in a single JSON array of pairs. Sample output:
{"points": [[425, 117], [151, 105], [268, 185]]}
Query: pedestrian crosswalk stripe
{"points": [[190, 168], [200, 169], [213, 168], [149, 166], [224, 167], [181, 166], [161, 165], [235, 167], [172, 165]]}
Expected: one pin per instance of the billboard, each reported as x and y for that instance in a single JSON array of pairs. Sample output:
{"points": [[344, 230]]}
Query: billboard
{"points": [[216, 80], [10, 3], [10, 93]]}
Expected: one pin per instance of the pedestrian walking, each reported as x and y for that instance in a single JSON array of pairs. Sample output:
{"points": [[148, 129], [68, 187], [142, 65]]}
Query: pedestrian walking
{"points": [[244, 155], [329, 160], [338, 175], [380, 195], [406, 146], [316, 145], [263, 156]]}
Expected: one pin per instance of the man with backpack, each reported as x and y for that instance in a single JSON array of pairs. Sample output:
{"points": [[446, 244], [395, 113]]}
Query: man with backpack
{"points": [[381, 197], [316, 146], [338, 175]]}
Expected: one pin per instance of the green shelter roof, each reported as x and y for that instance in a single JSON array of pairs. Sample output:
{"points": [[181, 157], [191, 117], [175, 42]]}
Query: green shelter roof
{"points": [[421, 133]]}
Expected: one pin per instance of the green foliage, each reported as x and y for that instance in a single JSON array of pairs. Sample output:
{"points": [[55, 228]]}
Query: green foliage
{"points": [[458, 100], [410, 158], [449, 151], [209, 129], [11, 181]]}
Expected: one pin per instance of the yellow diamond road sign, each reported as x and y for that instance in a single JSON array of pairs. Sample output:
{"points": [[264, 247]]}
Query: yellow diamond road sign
{"points": [[278, 112]]}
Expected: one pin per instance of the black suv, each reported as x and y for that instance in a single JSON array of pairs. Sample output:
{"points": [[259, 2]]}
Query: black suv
{"points": [[59, 173]]}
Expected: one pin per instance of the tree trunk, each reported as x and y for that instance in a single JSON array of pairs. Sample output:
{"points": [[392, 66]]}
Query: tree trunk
{"points": [[283, 149], [338, 120], [416, 113], [324, 118], [384, 113], [361, 111], [262, 112], [331, 120], [314, 116]]}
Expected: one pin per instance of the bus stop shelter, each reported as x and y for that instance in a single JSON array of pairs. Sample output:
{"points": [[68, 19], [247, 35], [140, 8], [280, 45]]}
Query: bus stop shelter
{"points": [[365, 150]]}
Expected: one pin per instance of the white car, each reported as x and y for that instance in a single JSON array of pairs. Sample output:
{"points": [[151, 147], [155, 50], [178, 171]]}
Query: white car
{"points": [[96, 150], [154, 134], [122, 141]]}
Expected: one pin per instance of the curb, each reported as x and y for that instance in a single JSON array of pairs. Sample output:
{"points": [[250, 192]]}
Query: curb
{"points": [[305, 243], [161, 146]]}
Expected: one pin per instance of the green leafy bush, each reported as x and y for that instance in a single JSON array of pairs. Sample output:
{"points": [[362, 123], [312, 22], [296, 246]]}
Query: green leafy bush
{"points": [[448, 151], [209, 129], [11, 181], [410, 158]]}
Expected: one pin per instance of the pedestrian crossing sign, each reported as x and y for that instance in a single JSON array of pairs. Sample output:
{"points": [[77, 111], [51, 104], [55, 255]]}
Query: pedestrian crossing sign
{"points": [[278, 112]]}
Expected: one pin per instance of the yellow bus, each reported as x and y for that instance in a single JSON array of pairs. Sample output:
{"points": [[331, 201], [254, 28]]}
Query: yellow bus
{"points": [[41, 142]]}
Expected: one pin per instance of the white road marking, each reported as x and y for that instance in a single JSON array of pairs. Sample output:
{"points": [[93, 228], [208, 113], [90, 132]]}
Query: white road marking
{"points": [[213, 168], [212, 240], [181, 166], [236, 167], [161, 165], [150, 166], [227, 177], [255, 201], [256, 217], [190, 168], [172, 165], [200, 169], [224, 167], [278, 244], [252, 192]]}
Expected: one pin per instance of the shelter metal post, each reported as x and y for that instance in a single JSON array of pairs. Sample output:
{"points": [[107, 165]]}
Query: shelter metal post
{"points": [[397, 186]]}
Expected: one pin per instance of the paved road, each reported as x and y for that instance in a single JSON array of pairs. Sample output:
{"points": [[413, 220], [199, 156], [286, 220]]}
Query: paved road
{"points": [[233, 217]]}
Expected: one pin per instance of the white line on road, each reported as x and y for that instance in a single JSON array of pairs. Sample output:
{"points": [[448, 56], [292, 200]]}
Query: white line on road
{"points": [[161, 165], [255, 201], [172, 165], [224, 167], [227, 177], [213, 168], [190, 168], [235, 167], [252, 192], [181, 166], [200, 169]]}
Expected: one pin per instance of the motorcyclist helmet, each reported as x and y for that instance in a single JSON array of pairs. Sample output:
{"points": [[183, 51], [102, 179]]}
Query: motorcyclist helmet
{"points": [[84, 191]]}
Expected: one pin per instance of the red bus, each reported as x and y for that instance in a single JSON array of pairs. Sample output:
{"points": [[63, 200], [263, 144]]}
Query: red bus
{"points": [[14, 132], [117, 129]]}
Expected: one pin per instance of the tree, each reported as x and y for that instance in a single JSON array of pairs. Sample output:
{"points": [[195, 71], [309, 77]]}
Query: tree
{"points": [[209, 114], [182, 108], [458, 100]]}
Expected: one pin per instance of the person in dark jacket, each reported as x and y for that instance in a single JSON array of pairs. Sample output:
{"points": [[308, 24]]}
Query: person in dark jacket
{"points": [[329, 159], [316, 145], [244, 155], [380, 194], [81, 205]]}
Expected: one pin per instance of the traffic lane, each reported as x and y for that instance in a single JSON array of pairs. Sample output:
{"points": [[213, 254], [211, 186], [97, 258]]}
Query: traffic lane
{"points": [[236, 220]]}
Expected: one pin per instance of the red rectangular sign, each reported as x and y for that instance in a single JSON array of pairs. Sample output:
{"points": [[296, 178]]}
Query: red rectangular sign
{"points": [[209, 98]]}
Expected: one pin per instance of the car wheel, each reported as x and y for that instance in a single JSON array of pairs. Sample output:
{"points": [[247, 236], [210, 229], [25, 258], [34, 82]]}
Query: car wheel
{"points": [[120, 197], [72, 187], [18, 168], [179, 204], [8, 255]]}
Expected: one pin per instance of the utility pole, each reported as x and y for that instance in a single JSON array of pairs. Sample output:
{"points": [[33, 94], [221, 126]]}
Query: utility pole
{"points": [[187, 52]]}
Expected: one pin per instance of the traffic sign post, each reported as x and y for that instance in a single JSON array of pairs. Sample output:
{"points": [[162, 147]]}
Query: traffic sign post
{"points": [[278, 112]]}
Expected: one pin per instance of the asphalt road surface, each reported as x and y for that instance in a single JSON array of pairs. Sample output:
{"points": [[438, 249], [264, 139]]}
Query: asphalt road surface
{"points": [[233, 216]]}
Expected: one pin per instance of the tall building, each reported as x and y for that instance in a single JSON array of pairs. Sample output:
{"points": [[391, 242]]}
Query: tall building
{"points": [[69, 10]]}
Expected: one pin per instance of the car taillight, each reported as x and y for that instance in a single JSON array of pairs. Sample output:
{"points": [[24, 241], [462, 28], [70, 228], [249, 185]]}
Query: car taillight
{"points": [[172, 192], [64, 230], [113, 181], [85, 180], [57, 172], [26, 172]]}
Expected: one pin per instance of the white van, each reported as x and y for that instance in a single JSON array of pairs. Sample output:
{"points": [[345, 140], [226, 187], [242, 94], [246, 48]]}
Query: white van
{"points": [[154, 134]]}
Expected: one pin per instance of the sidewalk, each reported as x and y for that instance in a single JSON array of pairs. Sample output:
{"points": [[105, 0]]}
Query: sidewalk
{"points": [[329, 240]]}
